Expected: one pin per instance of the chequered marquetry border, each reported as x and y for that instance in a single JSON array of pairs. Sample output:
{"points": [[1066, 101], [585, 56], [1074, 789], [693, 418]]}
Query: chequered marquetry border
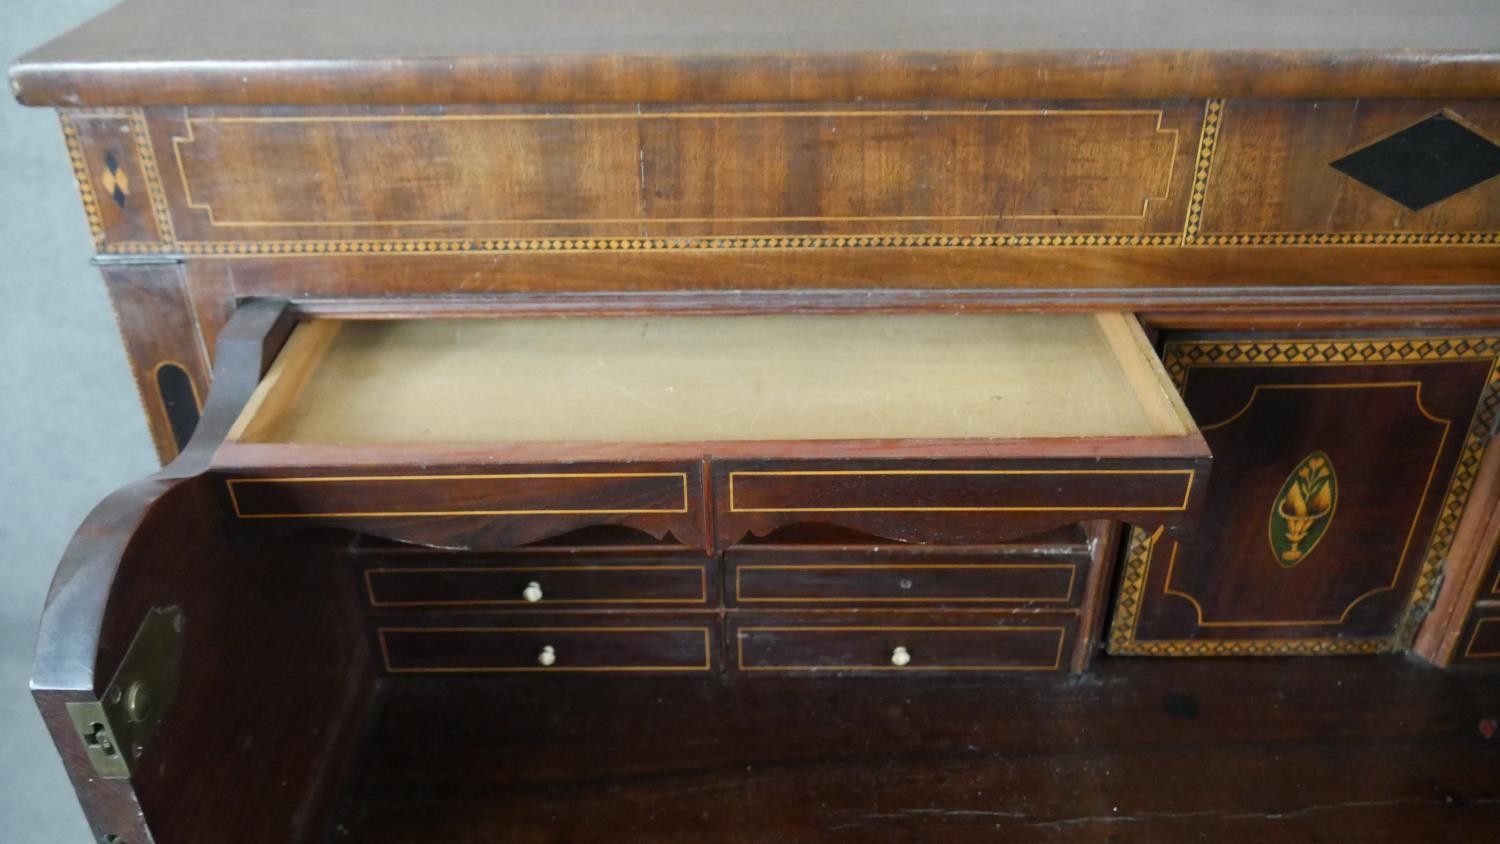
{"points": [[1180, 358], [85, 181], [1122, 639], [146, 154], [652, 244], [1350, 239], [1213, 113], [1190, 236]]}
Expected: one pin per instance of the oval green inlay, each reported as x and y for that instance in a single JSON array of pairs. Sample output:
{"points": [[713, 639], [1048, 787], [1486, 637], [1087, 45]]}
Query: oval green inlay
{"points": [[1303, 509]]}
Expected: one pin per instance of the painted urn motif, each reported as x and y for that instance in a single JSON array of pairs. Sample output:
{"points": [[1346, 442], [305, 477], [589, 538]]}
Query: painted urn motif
{"points": [[1304, 509]]}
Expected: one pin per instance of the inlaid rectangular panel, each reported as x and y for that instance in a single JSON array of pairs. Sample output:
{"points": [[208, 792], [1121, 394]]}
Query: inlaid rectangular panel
{"points": [[501, 494], [1341, 467], [796, 490], [1351, 172], [477, 505], [258, 175], [956, 502], [114, 162]]}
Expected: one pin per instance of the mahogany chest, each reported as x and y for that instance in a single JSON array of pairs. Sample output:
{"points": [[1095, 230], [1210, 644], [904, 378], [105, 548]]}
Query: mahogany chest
{"points": [[692, 421]]}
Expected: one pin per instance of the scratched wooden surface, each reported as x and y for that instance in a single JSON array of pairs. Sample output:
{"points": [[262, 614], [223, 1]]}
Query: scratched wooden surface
{"points": [[1380, 749], [470, 50]]}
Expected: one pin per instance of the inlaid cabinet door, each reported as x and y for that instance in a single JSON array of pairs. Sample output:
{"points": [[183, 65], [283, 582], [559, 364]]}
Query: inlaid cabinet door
{"points": [[1341, 467]]}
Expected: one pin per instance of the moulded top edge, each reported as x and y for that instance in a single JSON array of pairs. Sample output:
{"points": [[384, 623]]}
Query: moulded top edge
{"points": [[291, 52]]}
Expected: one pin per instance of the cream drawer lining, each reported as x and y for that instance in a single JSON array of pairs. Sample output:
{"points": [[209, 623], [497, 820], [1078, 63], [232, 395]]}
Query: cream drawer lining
{"points": [[669, 379]]}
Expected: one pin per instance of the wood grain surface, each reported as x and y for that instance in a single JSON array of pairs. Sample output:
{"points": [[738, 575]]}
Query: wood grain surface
{"points": [[285, 52], [1143, 750]]}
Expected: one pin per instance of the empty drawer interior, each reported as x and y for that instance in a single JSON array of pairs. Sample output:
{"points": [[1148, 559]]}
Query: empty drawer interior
{"points": [[714, 379]]}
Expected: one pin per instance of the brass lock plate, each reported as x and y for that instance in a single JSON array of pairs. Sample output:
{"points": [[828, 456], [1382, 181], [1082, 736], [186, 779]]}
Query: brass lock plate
{"points": [[114, 730]]}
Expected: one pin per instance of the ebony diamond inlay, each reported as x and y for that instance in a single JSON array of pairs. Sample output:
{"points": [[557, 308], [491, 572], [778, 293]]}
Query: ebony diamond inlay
{"points": [[1424, 163], [116, 184]]}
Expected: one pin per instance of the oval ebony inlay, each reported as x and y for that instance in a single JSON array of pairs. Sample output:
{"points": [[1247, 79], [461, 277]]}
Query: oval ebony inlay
{"points": [[178, 399]]}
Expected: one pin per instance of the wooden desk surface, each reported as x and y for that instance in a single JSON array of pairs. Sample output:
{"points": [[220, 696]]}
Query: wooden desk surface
{"points": [[180, 52], [1145, 751]]}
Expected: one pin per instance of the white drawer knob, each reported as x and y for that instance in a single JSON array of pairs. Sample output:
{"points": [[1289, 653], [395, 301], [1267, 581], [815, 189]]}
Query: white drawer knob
{"points": [[533, 592], [900, 657], [548, 656]]}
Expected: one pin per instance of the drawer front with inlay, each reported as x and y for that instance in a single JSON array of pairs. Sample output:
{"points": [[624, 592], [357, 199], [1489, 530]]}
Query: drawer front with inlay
{"points": [[558, 649], [833, 578], [1481, 642], [540, 586], [1012, 424], [470, 506], [933, 643], [493, 494], [954, 502]]}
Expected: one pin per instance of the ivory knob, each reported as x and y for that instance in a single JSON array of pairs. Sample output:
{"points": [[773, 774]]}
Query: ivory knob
{"points": [[548, 656], [533, 592], [900, 656]]}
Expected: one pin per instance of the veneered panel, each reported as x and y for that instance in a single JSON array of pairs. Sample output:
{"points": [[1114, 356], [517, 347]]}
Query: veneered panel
{"points": [[495, 173], [167, 356], [1272, 170], [1340, 471]]}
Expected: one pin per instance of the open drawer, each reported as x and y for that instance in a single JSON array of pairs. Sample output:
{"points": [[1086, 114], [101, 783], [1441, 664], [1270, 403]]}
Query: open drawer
{"points": [[918, 427]]}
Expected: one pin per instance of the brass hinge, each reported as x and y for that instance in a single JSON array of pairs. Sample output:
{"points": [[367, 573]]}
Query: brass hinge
{"points": [[114, 730]]}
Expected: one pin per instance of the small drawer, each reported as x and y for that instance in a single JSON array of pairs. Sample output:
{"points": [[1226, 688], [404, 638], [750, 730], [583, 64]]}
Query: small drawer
{"points": [[866, 577], [559, 649], [480, 506], [540, 586], [1481, 642], [531, 492], [959, 643], [504, 432]]}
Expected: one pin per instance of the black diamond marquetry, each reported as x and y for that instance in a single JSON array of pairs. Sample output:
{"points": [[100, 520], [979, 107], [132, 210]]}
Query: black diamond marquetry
{"points": [[1424, 163], [114, 182]]}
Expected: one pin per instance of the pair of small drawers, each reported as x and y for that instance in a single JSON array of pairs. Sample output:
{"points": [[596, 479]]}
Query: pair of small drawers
{"points": [[969, 609], [909, 645], [925, 609], [790, 579], [778, 644]]}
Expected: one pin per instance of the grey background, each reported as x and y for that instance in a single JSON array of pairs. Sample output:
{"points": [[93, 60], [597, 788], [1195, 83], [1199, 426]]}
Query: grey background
{"points": [[71, 427]]}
